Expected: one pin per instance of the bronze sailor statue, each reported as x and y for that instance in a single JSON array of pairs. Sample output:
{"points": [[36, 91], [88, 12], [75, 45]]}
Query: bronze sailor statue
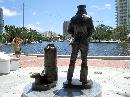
{"points": [[80, 28]]}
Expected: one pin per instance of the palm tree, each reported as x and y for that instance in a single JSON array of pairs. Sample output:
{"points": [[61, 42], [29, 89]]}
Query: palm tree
{"points": [[27, 35], [5, 37]]}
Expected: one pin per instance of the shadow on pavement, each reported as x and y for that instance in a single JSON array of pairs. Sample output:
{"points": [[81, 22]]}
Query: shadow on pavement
{"points": [[68, 93]]}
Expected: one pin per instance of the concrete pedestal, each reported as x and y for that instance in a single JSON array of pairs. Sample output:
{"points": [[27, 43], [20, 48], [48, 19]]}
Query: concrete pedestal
{"points": [[58, 91], [43, 87]]}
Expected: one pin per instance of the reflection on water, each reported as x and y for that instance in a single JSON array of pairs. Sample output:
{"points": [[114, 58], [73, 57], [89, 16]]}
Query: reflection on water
{"points": [[63, 48]]}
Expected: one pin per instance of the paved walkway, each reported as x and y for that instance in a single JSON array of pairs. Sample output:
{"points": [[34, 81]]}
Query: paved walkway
{"points": [[34, 61]]}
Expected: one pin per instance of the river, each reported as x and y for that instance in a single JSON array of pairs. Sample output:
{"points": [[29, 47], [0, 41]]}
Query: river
{"points": [[63, 48]]}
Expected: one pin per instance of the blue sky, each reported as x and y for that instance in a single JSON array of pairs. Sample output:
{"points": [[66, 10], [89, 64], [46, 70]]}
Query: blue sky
{"points": [[49, 15]]}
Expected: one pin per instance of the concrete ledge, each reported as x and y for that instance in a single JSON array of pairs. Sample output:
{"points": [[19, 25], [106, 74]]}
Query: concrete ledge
{"points": [[14, 59], [110, 57], [89, 57], [38, 55]]}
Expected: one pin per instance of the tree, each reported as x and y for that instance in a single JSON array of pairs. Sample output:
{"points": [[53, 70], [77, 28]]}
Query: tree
{"points": [[102, 32], [27, 35], [11, 32], [5, 37], [121, 33]]}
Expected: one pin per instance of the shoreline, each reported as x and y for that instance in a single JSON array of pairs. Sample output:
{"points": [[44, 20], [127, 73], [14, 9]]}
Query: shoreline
{"points": [[89, 57]]}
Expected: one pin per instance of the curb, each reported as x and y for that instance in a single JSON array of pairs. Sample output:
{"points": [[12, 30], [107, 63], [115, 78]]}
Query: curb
{"points": [[89, 57]]}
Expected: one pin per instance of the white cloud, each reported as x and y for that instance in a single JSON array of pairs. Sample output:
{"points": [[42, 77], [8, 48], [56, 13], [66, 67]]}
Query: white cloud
{"points": [[104, 7], [108, 6], [34, 13], [35, 27], [8, 12]]}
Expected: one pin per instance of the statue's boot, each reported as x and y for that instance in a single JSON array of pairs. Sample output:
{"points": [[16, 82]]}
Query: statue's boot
{"points": [[35, 75]]}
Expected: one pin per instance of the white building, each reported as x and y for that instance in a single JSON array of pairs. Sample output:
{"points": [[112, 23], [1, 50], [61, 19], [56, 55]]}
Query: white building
{"points": [[123, 12]]}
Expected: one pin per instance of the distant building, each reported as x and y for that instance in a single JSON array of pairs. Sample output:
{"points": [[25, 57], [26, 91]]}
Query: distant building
{"points": [[49, 34], [65, 29], [123, 12], [1, 20]]}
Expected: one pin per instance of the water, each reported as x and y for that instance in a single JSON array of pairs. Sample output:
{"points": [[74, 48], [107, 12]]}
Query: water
{"points": [[63, 48]]}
